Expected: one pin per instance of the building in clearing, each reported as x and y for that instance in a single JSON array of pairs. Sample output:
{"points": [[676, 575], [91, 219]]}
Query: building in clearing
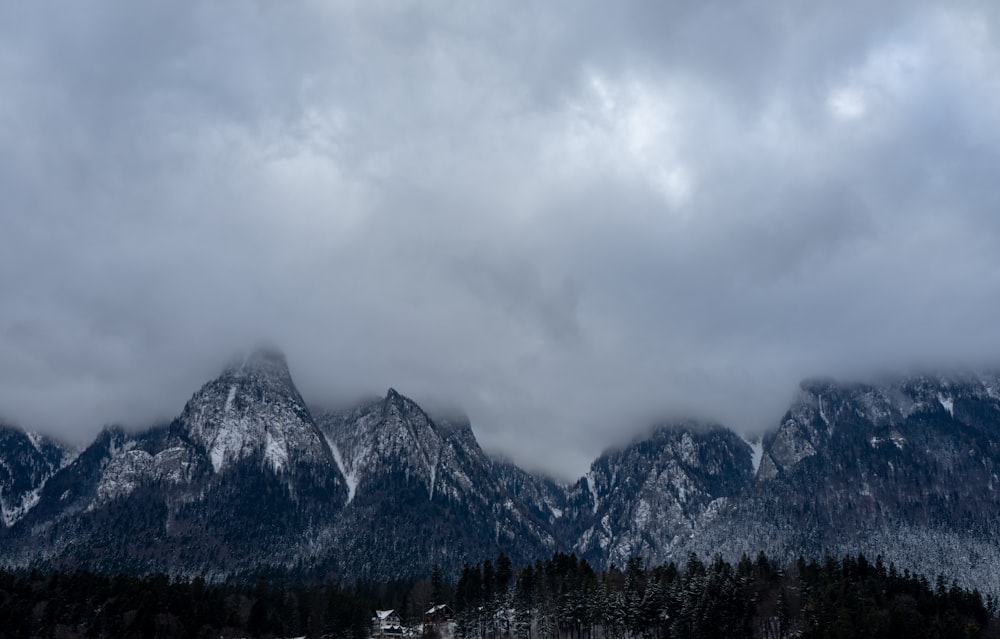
{"points": [[386, 623], [437, 614]]}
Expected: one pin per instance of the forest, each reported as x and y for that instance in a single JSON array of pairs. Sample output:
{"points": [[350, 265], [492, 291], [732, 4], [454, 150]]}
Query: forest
{"points": [[561, 597]]}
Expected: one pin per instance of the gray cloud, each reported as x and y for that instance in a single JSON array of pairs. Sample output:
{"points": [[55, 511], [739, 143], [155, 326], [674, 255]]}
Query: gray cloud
{"points": [[568, 219]]}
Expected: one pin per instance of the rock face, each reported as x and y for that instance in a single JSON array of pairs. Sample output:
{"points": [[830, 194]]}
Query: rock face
{"points": [[248, 478], [254, 410], [906, 469], [651, 497], [27, 461], [241, 479], [422, 492]]}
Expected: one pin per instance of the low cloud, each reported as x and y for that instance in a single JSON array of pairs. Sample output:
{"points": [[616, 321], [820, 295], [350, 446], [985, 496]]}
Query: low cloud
{"points": [[568, 220]]}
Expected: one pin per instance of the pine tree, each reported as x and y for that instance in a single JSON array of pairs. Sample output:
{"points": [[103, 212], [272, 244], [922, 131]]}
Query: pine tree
{"points": [[504, 573], [437, 585]]}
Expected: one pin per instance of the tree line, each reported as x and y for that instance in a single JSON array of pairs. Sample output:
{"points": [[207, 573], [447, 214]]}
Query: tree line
{"points": [[562, 597], [85, 604], [566, 598]]}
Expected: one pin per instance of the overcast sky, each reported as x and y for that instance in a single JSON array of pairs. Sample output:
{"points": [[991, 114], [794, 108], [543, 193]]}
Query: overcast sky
{"points": [[566, 218]]}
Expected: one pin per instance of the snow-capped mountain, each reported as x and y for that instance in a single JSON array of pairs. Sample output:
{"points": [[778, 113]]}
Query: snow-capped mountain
{"points": [[906, 468], [216, 490], [254, 410], [248, 478]]}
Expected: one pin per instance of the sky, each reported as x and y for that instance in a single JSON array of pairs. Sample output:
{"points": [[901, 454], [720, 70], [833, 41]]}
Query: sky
{"points": [[566, 219]]}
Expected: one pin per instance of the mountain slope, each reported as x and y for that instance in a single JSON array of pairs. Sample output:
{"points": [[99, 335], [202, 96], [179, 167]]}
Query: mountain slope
{"points": [[246, 479], [421, 492], [240, 479], [27, 460], [906, 469], [649, 498], [254, 410]]}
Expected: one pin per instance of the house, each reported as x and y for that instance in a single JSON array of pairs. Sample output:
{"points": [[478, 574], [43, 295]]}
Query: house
{"points": [[386, 623], [439, 613]]}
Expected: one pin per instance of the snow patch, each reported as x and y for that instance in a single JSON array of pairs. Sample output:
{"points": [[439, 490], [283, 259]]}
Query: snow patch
{"points": [[349, 477], [122, 475], [275, 452], [593, 491], [642, 514], [28, 501], [822, 413], [948, 404], [35, 439], [897, 439], [230, 398], [756, 452], [688, 450], [605, 539], [433, 471]]}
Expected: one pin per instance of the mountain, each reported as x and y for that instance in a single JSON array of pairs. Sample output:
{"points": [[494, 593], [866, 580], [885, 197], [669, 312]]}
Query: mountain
{"points": [[248, 478], [242, 478], [651, 497], [422, 492], [906, 468], [245, 479], [253, 410]]}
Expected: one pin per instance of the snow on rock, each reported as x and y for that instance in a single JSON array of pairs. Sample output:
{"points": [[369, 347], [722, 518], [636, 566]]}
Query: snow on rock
{"points": [[27, 461], [393, 430], [756, 452], [897, 439], [642, 514], [592, 489], [350, 474], [254, 409], [793, 443], [948, 404], [37, 440], [11, 514], [688, 451], [123, 474], [173, 465], [661, 491], [822, 413]]}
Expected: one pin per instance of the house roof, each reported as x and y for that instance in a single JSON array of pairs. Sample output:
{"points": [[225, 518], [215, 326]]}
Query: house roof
{"points": [[384, 614], [437, 608]]}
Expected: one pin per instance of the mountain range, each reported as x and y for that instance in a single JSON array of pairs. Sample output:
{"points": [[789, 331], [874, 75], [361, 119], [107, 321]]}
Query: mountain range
{"points": [[248, 478]]}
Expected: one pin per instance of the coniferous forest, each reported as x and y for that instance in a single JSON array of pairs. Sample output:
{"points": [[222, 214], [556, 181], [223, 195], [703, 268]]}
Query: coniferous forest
{"points": [[558, 598]]}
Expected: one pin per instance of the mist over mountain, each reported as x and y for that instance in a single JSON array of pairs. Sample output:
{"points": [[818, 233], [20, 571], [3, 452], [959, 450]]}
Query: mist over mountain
{"points": [[247, 478], [563, 217]]}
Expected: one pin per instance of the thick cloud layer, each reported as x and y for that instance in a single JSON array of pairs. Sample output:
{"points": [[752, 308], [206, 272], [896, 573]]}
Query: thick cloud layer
{"points": [[567, 219]]}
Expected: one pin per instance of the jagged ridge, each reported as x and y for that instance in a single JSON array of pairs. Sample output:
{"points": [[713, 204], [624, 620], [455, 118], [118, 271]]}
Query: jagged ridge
{"points": [[247, 478]]}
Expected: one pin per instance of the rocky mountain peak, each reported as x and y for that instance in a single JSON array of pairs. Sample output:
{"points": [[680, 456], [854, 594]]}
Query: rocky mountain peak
{"points": [[248, 477], [263, 364], [393, 431], [647, 499], [254, 409], [397, 406]]}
